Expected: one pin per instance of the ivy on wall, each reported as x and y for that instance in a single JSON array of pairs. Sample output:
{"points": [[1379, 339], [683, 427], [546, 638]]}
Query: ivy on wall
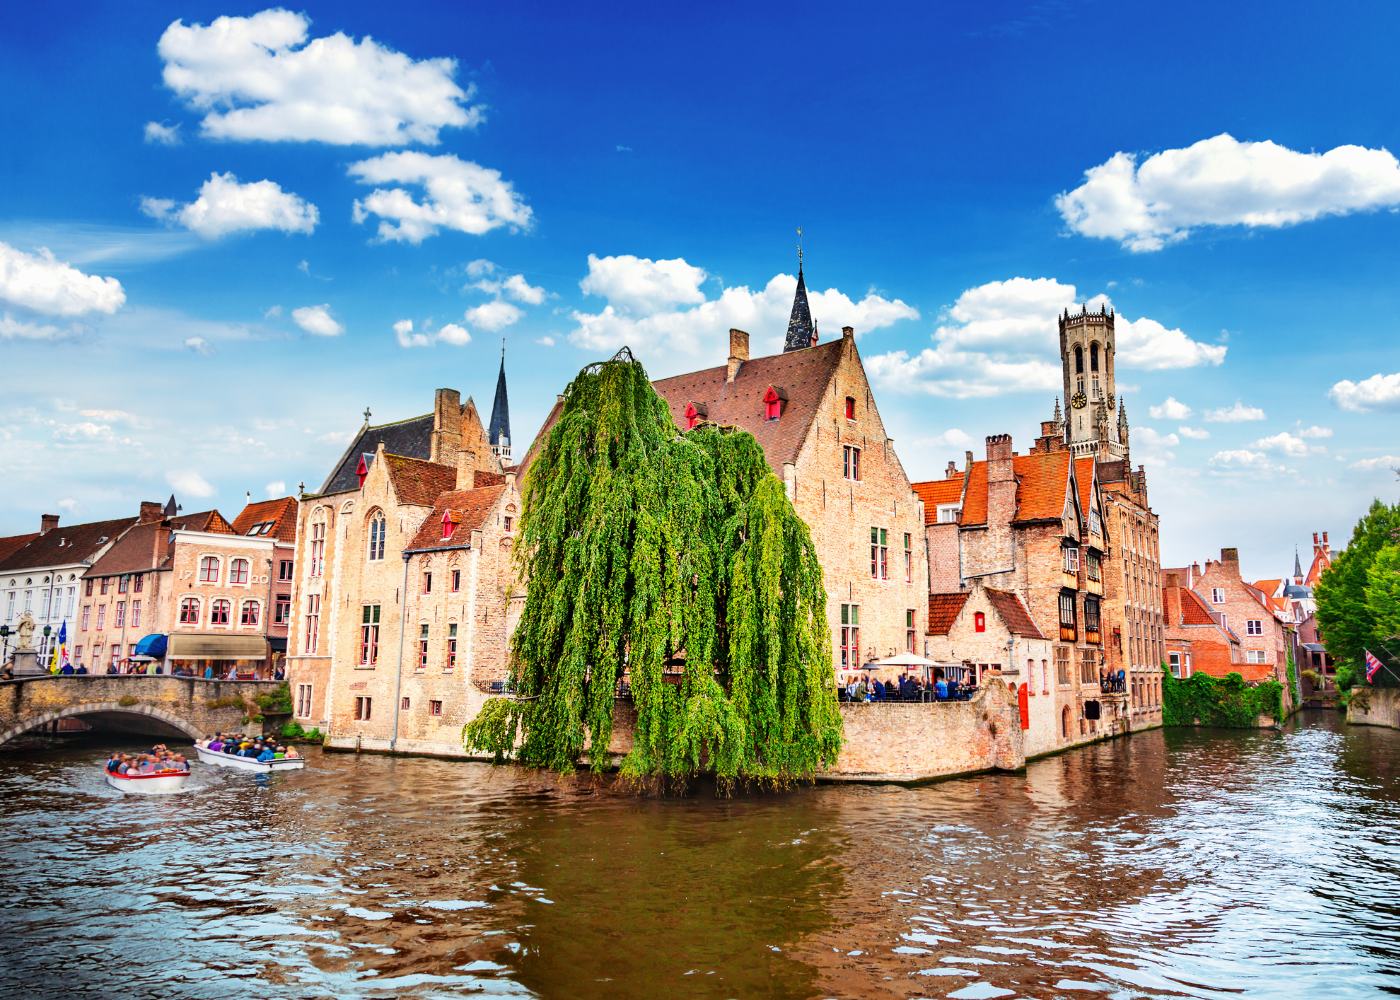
{"points": [[1228, 702]]}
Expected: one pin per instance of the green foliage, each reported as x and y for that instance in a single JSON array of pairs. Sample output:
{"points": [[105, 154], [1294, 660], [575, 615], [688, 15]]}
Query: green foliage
{"points": [[1225, 703], [228, 701], [1357, 610], [645, 548], [1314, 678], [291, 731], [1293, 688], [278, 701], [1346, 677], [127, 700]]}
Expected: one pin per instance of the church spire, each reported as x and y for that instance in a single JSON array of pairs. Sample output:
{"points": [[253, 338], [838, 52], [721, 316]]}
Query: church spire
{"points": [[498, 433], [800, 332]]}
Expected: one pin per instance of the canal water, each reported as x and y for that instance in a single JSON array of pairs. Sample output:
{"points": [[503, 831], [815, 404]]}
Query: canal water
{"points": [[1221, 864]]}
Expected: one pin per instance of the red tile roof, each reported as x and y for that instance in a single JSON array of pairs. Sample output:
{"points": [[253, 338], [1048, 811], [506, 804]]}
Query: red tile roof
{"points": [[419, 482], [1194, 610], [1269, 587], [943, 610], [9, 546], [1013, 613], [281, 512], [468, 511], [63, 546], [1042, 481], [135, 551], [936, 492], [1084, 476]]}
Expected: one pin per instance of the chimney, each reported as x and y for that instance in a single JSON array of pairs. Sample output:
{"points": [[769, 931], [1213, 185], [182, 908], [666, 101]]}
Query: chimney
{"points": [[466, 469], [510, 481], [952, 469], [738, 352], [1172, 579], [1001, 481], [848, 333], [159, 544], [447, 426], [1230, 559], [47, 522], [151, 510]]}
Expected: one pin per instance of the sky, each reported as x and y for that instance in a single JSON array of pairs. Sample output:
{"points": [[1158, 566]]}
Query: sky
{"points": [[223, 237]]}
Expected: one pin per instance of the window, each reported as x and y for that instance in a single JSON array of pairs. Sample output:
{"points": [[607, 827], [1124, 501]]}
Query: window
{"points": [[1254, 656], [1224, 620], [303, 701], [369, 635], [427, 581], [908, 560], [116, 652], [1069, 622], [313, 623], [909, 631], [1071, 558], [1174, 662], [135, 614], [189, 612], [509, 521], [450, 663], [238, 571], [87, 592], [137, 582], [77, 654], [456, 579], [449, 521], [120, 621], [948, 513], [251, 612], [1217, 596], [772, 404], [979, 622], [1254, 626], [101, 617], [850, 636], [879, 554], [282, 610], [1091, 618], [1092, 567], [317, 551], [1078, 360], [850, 407], [219, 612], [284, 570], [377, 527], [208, 570], [1094, 357], [1062, 664], [123, 584], [106, 586], [850, 462], [423, 647], [434, 708], [1095, 521], [87, 614], [363, 708]]}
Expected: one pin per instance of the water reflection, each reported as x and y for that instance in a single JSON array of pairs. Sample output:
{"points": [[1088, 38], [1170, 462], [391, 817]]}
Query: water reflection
{"points": [[1179, 864]]}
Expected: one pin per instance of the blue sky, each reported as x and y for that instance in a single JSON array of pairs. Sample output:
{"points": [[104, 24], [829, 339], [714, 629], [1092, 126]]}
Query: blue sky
{"points": [[216, 232]]}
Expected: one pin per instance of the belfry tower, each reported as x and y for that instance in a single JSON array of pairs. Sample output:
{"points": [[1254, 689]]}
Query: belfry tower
{"points": [[1093, 425]]}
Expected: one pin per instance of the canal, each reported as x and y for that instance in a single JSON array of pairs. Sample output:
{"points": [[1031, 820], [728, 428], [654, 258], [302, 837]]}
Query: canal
{"points": [[1169, 864]]}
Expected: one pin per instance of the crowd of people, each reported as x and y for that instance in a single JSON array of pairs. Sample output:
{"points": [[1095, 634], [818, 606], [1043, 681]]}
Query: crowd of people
{"points": [[260, 748], [234, 671], [158, 760], [906, 687]]}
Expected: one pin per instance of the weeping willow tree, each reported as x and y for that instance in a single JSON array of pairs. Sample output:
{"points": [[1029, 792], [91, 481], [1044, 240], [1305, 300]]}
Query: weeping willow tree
{"points": [[678, 562]]}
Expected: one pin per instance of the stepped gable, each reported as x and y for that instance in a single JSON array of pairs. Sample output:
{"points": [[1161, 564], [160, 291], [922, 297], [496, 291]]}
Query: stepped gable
{"points": [[417, 481], [281, 512], [411, 438], [135, 551], [1013, 613], [939, 491], [61, 546], [467, 510], [943, 610], [802, 375]]}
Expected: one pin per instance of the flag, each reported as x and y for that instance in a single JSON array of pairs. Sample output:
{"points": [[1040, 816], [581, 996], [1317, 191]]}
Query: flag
{"points": [[62, 644], [1373, 667]]}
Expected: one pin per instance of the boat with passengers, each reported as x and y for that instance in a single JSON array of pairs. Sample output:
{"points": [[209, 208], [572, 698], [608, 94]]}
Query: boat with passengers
{"points": [[158, 772], [249, 753]]}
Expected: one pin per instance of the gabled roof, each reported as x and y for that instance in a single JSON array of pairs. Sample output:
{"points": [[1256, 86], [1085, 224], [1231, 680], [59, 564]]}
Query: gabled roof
{"points": [[1042, 483], [62, 546], [937, 492], [9, 546], [1084, 472], [412, 438], [466, 509], [803, 375], [417, 481], [281, 513], [1194, 610], [943, 610], [1269, 587], [135, 551], [1013, 613]]}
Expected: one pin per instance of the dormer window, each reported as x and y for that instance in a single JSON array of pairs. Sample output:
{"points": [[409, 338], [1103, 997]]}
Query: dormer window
{"points": [[694, 414], [362, 470], [979, 622], [773, 401], [449, 522], [850, 407]]}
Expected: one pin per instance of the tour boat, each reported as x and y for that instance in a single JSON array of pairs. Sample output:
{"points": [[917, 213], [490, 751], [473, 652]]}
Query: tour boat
{"points": [[160, 783], [207, 756]]}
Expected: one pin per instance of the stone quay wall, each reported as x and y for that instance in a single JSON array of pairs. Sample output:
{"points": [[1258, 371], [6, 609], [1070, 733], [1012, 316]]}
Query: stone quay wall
{"points": [[1382, 708]]}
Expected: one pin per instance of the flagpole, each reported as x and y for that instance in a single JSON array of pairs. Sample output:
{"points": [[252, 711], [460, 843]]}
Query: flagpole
{"points": [[1383, 666]]}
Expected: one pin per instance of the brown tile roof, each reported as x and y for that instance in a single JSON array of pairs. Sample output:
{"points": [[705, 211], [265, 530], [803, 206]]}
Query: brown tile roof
{"points": [[417, 481], [1042, 479], [482, 477], [1084, 476], [1013, 613], [468, 509], [135, 551], [65, 545], [281, 512], [1194, 610], [974, 509], [9, 546], [943, 610], [939, 491], [802, 376]]}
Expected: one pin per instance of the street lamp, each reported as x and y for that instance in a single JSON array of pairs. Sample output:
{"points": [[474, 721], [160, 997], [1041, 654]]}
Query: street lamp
{"points": [[4, 643], [48, 630]]}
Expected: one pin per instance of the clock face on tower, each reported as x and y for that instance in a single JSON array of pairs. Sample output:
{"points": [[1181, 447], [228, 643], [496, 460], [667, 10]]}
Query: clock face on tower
{"points": [[1078, 401]]}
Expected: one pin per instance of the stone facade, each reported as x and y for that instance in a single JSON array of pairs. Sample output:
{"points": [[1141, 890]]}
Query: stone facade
{"points": [[1372, 706], [1133, 598]]}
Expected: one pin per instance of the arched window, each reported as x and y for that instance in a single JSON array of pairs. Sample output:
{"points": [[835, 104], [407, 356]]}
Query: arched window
{"points": [[218, 612], [238, 571], [979, 622], [251, 614], [189, 611], [209, 569], [377, 528], [1064, 722], [1094, 357], [1078, 360]]}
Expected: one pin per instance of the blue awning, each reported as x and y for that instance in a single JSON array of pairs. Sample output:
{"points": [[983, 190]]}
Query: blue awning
{"points": [[151, 645]]}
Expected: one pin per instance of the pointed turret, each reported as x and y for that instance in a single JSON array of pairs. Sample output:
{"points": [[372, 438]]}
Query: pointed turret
{"points": [[1297, 567], [800, 331], [171, 507], [498, 432]]}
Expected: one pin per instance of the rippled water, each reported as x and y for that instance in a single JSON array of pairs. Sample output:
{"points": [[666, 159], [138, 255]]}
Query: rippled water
{"points": [[1177, 864]]}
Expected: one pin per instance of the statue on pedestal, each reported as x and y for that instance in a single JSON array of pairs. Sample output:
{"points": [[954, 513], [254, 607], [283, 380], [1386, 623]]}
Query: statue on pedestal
{"points": [[25, 629]]}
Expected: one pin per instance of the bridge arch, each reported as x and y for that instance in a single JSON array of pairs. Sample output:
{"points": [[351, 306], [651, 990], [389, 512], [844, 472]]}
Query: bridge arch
{"points": [[100, 708]]}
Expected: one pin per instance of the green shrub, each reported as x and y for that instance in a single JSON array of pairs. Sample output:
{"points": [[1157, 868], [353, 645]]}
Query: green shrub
{"points": [[1293, 688], [1222, 702], [278, 701], [229, 701], [1347, 676], [127, 700], [314, 736], [291, 731]]}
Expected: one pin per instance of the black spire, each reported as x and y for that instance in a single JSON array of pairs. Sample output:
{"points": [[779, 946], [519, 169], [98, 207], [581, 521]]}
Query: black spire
{"points": [[1297, 565], [171, 508], [498, 433], [799, 331]]}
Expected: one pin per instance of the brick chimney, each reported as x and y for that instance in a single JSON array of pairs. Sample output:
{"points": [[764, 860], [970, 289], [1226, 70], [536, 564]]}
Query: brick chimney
{"points": [[466, 469], [952, 469], [848, 333], [151, 510], [160, 542], [738, 352], [1230, 561], [47, 522], [447, 426], [1001, 499]]}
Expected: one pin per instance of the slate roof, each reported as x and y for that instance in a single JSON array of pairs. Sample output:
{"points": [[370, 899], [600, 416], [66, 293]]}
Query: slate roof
{"points": [[135, 552], [943, 610], [500, 409], [469, 510], [800, 329], [939, 491], [412, 438], [1013, 613], [419, 482], [802, 374], [281, 512], [64, 546]]}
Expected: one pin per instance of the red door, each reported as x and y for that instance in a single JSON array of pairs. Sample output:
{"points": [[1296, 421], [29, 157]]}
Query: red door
{"points": [[1023, 698]]}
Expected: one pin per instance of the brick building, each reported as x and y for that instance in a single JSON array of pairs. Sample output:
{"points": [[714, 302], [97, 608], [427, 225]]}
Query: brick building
{"points": [[1196, 639]]}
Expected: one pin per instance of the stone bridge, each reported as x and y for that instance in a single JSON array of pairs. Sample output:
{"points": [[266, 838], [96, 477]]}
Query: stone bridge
{"points": [[160, 703]]}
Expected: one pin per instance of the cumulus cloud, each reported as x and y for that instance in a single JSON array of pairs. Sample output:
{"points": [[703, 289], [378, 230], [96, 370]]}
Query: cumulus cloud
{"points": [[198, 345], [545, 341], [43, 284], [1286, 444], [15, 329], [1152, 447], [1379, 392], [1170, 408], [1224, 182], [457, 194], [1193, 433], [1387, 462], [455, 335], [258, 78], [276, 488], [658, 314], [1237, 414], [317, 320], [160, 134], [1314, 432], [493, 316], [408, 337], [1003, 336], [225, 206], [1245, 459], [190, 483], [491, 280]]}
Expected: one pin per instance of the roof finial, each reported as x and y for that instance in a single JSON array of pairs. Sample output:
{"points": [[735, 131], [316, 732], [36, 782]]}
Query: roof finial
{"points": [[503, 348], [799, 249], [367, 414]]}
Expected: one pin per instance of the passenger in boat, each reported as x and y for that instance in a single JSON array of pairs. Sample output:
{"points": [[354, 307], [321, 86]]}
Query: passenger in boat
{"points": [[113, 763], [266, 755], [291, 753], [216, 744]]}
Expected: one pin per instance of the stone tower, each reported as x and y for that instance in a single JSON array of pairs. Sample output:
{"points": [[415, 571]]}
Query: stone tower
{"points": [[1092, 423]]}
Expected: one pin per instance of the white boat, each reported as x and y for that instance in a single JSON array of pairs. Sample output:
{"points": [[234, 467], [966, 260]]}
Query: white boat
{"points": [[207, 756], [160, 783]]}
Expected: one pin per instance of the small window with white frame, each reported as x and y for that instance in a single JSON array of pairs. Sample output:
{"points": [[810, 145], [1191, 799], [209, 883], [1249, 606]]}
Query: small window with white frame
{"points": [[1255, 626], [1255, 656], [948, 513], [1217, 596]]}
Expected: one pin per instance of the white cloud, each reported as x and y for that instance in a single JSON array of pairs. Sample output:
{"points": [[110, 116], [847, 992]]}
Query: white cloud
{"points": [[457, 195], [455, 335], [1152, 447], [160, 134], [1315, 432], [1286, 444], [198, 345], [44, 284], [257, 78], [406, 337], [451, 333], [1193, 433], [513, 286], [545, 341], [493, 316], [14, 329], [676, 333], [317, 320], [1170, 408], [1003, 336], [68, 505], [225, 205], [1241, 458], [1387, 462], [190, 483], [1224, 182], [1379, 392], [1237, 414], [276, 488]]}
